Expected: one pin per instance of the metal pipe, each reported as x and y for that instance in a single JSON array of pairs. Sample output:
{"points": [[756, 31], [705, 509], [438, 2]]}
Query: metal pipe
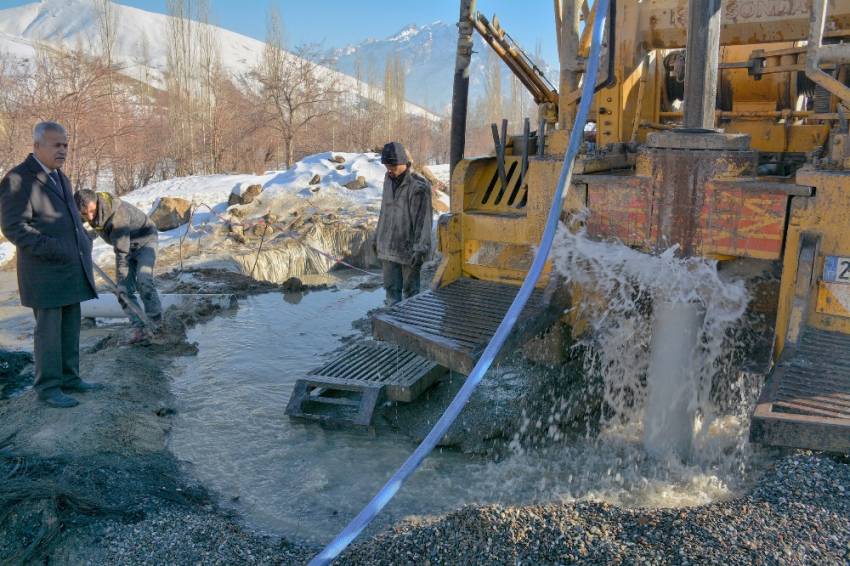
{"points": [[702, 55], [641, 89], [516, 60], [460, 92], [526, 139], [500, 157], [668, 424], [569, 36], [107, 306], [787, 114], [817, 52], [541, 137]]}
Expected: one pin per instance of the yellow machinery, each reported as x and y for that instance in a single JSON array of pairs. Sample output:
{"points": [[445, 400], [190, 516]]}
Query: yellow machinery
{"points": [[720, 127]]}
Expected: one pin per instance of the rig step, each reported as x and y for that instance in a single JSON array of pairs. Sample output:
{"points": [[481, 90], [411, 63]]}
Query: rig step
{"points": [[346, 390]]}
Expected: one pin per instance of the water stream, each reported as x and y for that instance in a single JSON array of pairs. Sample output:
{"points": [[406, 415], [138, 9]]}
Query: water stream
{"points": [[304, 482]]}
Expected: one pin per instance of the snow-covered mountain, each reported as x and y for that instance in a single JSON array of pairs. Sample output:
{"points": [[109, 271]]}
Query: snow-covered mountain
{"points": [[428, 55], [141, 43]]}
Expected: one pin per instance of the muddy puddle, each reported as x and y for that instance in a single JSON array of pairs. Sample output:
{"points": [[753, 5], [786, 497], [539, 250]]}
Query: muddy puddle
{"points": [[304, 482]]}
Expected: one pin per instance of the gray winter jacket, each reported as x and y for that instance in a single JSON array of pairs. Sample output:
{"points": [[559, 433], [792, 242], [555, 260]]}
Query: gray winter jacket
{"points": [[124, 227], [404, 226]]}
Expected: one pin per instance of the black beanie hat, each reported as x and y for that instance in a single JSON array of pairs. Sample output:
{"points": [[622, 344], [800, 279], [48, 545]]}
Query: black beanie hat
{"points": [[394, 154]]}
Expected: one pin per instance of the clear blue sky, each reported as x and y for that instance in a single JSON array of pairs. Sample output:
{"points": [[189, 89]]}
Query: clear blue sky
{"points": [[337, 23]]}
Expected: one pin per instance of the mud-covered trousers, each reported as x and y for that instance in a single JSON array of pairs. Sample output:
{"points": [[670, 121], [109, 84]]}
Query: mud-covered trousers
{"points": [[139, 277], [400, 280]]}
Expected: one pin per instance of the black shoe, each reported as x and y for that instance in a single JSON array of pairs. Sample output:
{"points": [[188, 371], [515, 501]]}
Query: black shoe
{"points": [[81, 386], [55, 398]]}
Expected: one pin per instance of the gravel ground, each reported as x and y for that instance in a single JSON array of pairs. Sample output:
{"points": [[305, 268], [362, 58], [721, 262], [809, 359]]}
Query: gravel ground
{"points": [[798, 513], [174, 534]]}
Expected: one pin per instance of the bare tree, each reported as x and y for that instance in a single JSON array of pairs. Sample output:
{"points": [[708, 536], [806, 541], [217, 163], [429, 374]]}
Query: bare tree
{"points": [[295, 90], [180, 82]]}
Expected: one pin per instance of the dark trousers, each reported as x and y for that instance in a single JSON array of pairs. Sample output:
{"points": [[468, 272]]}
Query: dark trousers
{"points": [[57, 347], [400, 279], [139, 277]]}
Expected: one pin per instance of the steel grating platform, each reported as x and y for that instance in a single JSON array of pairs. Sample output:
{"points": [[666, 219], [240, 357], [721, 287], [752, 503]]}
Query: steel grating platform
{"points": [[452, 325], [347, 389], [806, 400]]}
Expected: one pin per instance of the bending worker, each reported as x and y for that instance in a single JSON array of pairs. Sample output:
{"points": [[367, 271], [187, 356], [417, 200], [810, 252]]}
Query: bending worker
{"points": [[403, 235], [134, 237]]}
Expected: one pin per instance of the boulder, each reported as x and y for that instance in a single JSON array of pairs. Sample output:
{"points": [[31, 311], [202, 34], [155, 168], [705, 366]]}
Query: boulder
{"points": [[315, 180], [356, 184], [244, 196], [237, 212], [439, 201], [338, 159], [171, 213], [293, 285]]}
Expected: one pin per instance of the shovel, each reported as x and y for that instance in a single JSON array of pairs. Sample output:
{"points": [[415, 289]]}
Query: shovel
{"points": [[127, 299]]}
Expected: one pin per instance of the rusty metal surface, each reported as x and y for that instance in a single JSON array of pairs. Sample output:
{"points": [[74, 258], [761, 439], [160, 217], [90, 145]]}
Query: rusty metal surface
{"points": [[452, 325], [806, 402], [703, 200], [347, 389]]}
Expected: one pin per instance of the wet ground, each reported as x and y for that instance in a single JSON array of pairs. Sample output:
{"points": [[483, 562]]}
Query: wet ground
{"points": [[305, 482], [147, 470]]}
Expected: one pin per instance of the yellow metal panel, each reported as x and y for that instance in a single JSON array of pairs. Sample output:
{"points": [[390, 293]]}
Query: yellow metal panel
{"points": [[778, 138], [503, 275], [451, 247], [834, 299], [495, 228], [825, 214]]}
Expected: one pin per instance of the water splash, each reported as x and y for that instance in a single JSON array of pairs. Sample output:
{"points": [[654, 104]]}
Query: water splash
{"points": [[624, 285]]}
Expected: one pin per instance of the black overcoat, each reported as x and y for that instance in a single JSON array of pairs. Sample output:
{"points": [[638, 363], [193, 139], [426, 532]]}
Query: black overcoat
{"points": [[53, 249]]}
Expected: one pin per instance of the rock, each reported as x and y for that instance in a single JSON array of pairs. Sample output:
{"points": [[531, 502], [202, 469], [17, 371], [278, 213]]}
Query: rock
{"points": [[438, 201], [338, 159], [259, 229], [340, 167], [356, 184], [237, 212], [171, 213], [245, 196], [293, 285], [315, 180]]}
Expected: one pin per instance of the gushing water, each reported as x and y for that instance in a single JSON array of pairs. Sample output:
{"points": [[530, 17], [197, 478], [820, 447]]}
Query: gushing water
{"points": [[659, 333]]}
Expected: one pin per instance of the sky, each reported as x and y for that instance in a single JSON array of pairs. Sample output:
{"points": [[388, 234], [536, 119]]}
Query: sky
{"points": [[343, 22]]}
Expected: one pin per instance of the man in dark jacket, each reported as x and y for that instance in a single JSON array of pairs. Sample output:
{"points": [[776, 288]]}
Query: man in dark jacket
{"points": [[37, 214], [133, 236], [403, 235]]}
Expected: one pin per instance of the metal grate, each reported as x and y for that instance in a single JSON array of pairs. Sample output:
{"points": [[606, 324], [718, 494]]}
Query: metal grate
{"points": [[403, 373], [452, 325], [347, 389], [816, 381], [806, 401]]}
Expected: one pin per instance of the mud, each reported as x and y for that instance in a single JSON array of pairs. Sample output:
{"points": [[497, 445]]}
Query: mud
{"points": [[67, 476]]}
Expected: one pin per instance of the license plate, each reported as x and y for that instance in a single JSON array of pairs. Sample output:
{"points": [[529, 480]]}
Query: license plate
{"points": [[836, 269]]}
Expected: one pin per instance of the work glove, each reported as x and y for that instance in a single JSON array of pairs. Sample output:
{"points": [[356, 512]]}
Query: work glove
{"points": [[417, 259]]}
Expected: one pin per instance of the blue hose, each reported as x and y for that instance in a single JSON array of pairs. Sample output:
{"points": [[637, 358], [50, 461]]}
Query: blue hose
{"points": [[371, 510]]}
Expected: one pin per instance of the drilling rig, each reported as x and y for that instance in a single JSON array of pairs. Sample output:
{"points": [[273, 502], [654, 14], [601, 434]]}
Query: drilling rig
{"points": [[720, 128]]}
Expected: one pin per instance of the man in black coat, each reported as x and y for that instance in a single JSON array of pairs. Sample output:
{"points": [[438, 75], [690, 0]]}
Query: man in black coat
{"points": [[38, 215]]}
